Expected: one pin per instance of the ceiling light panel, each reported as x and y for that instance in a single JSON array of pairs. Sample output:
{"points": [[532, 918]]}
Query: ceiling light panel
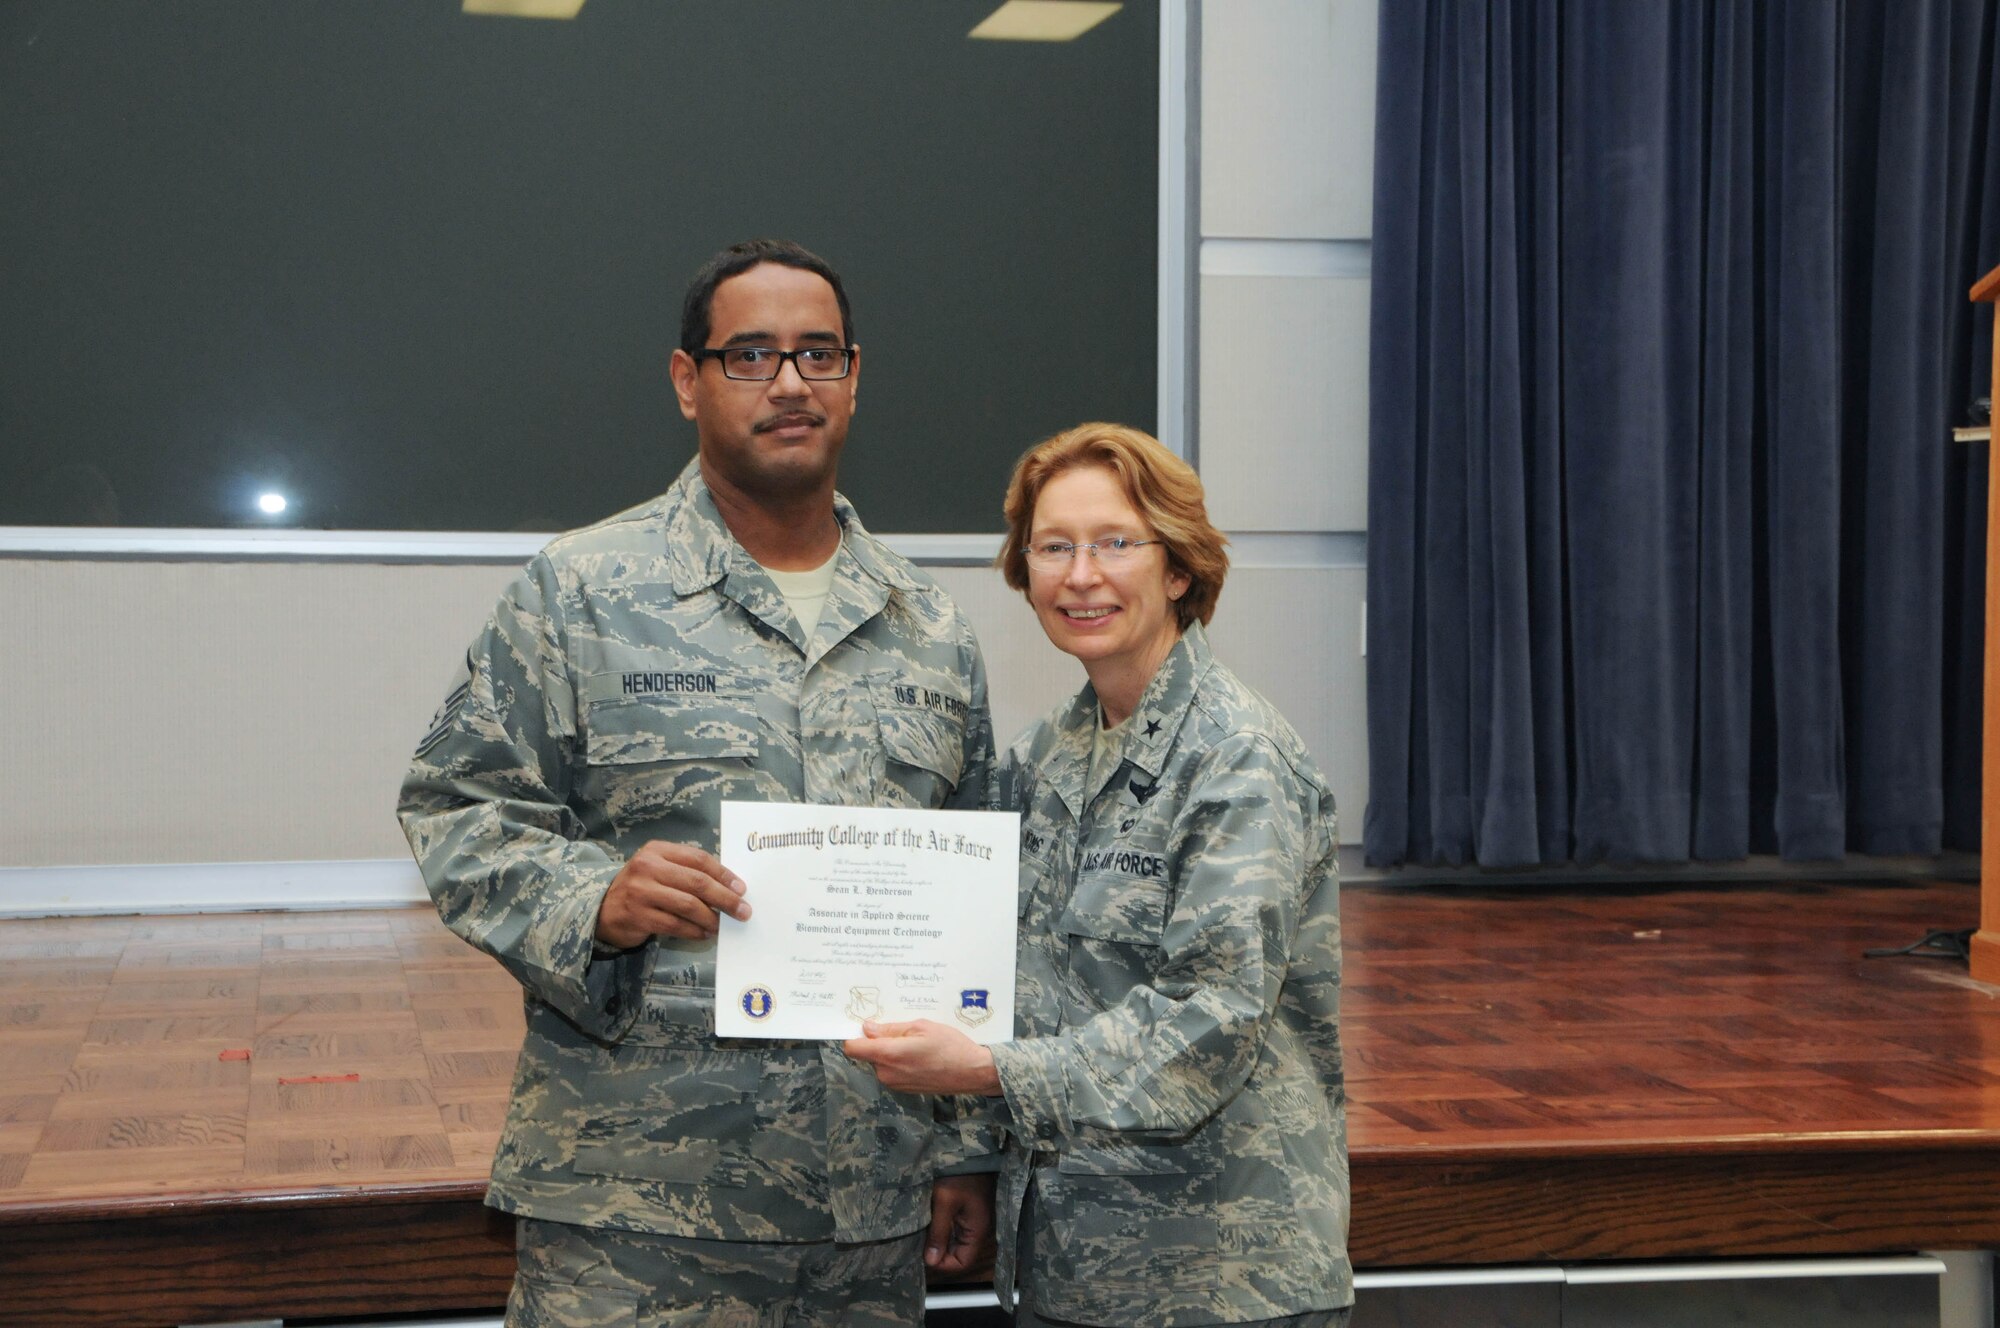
{"points": [[523, 8], [1043, 20]]}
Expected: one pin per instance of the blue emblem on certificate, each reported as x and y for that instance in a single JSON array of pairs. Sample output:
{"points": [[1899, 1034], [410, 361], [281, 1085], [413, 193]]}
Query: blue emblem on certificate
{"points": [[757, 1002], [972, 1007]]}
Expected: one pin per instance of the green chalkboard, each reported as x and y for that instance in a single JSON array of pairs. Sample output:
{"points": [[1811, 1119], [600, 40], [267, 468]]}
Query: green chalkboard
{"points": [[421, 270]]}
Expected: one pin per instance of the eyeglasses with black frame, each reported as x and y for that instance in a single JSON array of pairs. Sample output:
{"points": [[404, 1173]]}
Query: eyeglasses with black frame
{"points": [[760, 364], [1051, 555]]}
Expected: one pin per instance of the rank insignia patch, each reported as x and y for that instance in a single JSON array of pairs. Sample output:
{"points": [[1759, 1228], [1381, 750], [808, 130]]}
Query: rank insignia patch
{"points": [[446, 716]]}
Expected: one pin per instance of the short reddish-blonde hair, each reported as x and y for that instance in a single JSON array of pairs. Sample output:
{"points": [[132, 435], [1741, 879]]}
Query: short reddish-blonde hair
{"points": [[1163, 487]]}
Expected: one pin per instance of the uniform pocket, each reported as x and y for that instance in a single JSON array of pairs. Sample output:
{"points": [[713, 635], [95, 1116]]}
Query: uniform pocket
{"points": [[619, 733], [663, 767], [1114, 1157], [1131, 910], [901, 1143], [1114, 925], [674, 1017], [923, 738], [664, 1114], [1176, 1209], [538, 1303], [564, 1277]]}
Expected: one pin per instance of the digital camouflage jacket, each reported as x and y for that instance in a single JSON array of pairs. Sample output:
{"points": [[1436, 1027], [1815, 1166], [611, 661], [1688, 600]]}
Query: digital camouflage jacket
{"points": [[1175, 1086], [638, 673]]}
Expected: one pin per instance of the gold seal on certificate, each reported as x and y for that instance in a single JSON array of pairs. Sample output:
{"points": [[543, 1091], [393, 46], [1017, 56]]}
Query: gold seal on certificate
{"points": [[867, 913]]}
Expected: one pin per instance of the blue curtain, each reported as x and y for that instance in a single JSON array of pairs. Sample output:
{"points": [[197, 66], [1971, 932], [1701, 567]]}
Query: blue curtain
{"points": [[1669, 555]]}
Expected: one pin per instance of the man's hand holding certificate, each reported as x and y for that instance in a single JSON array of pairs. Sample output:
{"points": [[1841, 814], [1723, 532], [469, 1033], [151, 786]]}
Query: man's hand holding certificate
{"points": [[867, 913]]}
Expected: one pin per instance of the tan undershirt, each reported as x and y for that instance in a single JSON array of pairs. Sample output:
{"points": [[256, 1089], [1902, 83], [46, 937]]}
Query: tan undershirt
{"points": [[806, 592]]}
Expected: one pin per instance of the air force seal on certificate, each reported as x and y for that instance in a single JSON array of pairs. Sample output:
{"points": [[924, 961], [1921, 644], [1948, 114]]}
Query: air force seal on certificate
{"points": [[864, 1002], [972, 1007], [757, 1002]]}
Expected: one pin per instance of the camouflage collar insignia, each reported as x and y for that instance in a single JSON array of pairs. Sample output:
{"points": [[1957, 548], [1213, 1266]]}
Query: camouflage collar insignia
{"points": [[1151, 732], [1148, 734], [1158, 718]]}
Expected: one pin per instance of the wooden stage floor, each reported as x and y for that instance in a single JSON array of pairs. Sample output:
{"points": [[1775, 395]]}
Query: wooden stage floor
{"points": [[226, 1116]]}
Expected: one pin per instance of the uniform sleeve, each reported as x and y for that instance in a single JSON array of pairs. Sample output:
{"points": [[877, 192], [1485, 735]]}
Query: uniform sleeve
{"points": [[974, 791], [1182, 1041], [484, 808], [969, 1138]]}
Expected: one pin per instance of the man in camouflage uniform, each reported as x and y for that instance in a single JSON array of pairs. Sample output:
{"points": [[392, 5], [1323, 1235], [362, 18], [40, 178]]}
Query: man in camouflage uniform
{"points": [[743, 637]]}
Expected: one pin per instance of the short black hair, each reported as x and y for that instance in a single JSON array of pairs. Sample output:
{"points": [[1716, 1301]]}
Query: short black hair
{"points": [[739, 258]]}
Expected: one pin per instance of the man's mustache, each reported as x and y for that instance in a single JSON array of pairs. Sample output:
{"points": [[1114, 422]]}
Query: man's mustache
{"points": [[786, 419]]}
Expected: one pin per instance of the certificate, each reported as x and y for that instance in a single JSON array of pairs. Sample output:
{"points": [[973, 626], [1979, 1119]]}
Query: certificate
{"points": [[867, 913]]}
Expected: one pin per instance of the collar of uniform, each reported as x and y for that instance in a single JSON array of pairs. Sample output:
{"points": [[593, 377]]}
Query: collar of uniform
{"points": [[1067, 764], [872, 557], [1147, 733], [1151, 729], [701, 551], [699, 547]]}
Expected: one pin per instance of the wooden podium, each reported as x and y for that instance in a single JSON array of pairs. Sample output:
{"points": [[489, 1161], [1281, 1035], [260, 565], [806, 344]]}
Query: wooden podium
{"points": [[1986, 941]]}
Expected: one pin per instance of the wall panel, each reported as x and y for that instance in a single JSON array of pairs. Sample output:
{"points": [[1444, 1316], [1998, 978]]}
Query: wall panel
{"points": [[1294, 633], [251, 712], [220, 712], [1284, 402], [1287, 119]]}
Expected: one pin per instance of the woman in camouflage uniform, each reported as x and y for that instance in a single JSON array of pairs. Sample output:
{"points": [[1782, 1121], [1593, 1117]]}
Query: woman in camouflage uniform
{"points": [[1173, 1098]]}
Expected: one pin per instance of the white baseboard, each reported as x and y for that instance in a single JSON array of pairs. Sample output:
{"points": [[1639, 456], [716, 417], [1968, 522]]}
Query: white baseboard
{"points": [[209, 887]]}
